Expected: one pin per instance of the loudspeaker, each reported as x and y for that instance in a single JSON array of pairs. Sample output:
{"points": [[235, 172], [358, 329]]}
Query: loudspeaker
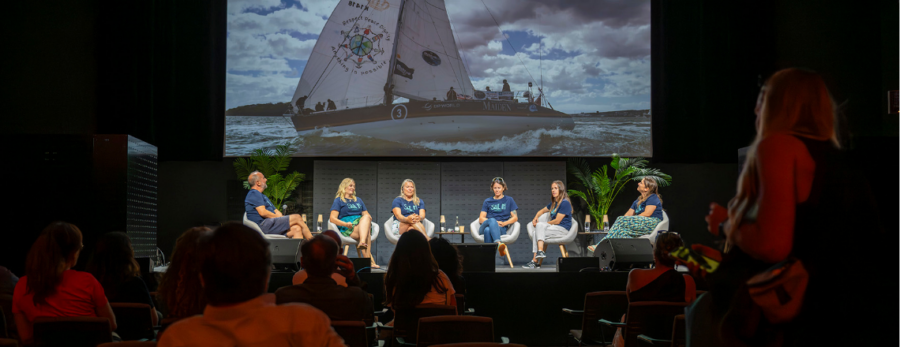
{"points": [[575, 264], [624, 254], [285, 253], [477, 257]]}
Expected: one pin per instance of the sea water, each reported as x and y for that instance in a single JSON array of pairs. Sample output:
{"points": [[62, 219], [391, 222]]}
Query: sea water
{"points": [[592, 136]]}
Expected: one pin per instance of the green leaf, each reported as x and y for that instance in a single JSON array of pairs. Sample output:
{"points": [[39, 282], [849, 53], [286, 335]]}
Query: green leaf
{"points": [[662, 179]]}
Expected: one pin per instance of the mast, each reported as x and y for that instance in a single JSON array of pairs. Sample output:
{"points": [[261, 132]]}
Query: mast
{"points": [[390, 76]]}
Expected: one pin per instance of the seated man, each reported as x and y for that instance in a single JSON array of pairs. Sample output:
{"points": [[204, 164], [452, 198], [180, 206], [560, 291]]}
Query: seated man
{"points": [[235, 266], [262, 212], [320, 290]]}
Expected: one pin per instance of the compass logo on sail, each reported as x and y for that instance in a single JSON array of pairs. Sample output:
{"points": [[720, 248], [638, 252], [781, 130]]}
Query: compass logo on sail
{"points": [[361, 45]]}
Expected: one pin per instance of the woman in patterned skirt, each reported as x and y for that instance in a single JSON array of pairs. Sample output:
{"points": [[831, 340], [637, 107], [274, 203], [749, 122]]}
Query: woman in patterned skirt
{"points": [[643, 216], [349, 214]]}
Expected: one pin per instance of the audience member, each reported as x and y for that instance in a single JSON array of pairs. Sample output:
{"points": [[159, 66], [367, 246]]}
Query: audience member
{"points": [[321, 290], [792, 191], [8, 281], [234, 271], [413, 276], [338, 278], [50, 288], [180, 292], [114, 266], [448, 260]]}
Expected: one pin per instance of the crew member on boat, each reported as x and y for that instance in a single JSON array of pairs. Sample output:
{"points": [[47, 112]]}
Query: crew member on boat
{"points": [[451, 95], [299, 103], [320, 107], [505, 86], [331, 105], [388, 94]]}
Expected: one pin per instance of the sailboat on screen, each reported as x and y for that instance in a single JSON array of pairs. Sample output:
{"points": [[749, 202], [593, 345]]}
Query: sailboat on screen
{"points": [[371, 52]]}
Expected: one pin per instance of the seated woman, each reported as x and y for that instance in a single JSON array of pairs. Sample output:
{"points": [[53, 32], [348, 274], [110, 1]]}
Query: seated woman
{"points": [[114, 266], [662, 282], [414, 277], [648, 208], [560, 209], [180, 291], [50, 288], [408, 209], [349, 214], [497, 213], [447, 257]]}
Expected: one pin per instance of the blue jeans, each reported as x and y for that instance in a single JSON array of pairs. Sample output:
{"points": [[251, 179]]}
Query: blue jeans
{"points": [[491, 230]]}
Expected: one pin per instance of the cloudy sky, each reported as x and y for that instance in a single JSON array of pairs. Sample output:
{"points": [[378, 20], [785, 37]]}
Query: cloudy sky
{"points": [[596, 54]]}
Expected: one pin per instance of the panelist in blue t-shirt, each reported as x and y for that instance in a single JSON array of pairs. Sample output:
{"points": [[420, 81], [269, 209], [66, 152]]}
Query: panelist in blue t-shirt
{"points": [[556, 227], [349, 214], [408, 209], [643, 216], [497, 214], [261, 211]]}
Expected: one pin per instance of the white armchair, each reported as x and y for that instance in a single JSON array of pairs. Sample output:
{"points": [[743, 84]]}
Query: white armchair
{"points": [[512, 233], [393, 238], [568, 238], [256, 227], [664, 225], [347, 241]]}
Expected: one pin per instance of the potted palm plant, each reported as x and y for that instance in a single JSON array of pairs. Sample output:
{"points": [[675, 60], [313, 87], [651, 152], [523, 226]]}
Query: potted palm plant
{"points": [[599, 190], [271, 162]]}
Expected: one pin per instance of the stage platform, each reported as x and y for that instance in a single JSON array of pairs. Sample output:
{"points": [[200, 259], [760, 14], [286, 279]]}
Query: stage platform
{"points": [[526, 304]]}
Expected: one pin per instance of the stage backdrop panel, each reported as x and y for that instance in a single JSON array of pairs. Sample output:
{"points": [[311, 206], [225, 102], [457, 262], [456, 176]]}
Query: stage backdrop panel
{"points": [[426, 175], [529, 185], [328, 176]]}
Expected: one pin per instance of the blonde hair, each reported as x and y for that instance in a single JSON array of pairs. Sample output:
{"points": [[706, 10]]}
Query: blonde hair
{"points": [[653, 187], [796, 102], [415, 191], [342, 187], [563, 194]]}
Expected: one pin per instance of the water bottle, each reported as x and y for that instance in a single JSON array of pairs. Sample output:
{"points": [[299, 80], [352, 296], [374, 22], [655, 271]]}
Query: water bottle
{"points": [[456, 228], [587, 226], [443, 224], [606, 225]]}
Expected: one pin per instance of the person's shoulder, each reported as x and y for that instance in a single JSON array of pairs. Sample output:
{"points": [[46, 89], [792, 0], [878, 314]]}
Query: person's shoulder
{"points": [[780, 143], [253, 193], [295, 309], [79, 276]]}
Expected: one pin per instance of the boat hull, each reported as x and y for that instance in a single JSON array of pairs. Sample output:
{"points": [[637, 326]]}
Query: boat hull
{"points": [[437, 121]]}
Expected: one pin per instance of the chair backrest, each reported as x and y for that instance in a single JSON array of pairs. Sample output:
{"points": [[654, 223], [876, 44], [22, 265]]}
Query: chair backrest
{"points": [[133, 321], [71, 331], [6, 308], [353, 332], [651, 318], [129, 344], [479, 344], [452, 329], [460, 303], [253, 225], [406, 321], [609, 305], [679, 334], [4, 342]]}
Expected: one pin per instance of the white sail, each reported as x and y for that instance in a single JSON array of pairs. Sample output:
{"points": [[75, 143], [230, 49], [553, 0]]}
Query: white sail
{"points": [[428, 61], [350, 61]]}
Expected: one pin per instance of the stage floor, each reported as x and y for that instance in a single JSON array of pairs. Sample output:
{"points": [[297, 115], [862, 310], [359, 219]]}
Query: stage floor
{"points": [[499, 269]]}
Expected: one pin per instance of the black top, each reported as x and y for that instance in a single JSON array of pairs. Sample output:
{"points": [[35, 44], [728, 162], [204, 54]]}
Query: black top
{"points": [[669, 286], [133, 290], [339, 303]]}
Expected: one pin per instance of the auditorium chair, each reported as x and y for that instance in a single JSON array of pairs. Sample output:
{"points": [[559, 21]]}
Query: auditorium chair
{"points": [[353, 332], [393, 238], [4, 342], [651, 318], [569, 238], [6, 305], [455, 329], [406, 321], [71, 331], [512, 233], [664, 225], [133, 321], [461, 305], [129, 344], [609, 305], [479, 344], [347, 241], [679, 336]]}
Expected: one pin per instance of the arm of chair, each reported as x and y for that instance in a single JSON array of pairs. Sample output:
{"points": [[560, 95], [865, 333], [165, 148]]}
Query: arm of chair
{"points": [[573, 312], [645, 340], [403, 342], [504, 340], [612, 324], [469, 312]]}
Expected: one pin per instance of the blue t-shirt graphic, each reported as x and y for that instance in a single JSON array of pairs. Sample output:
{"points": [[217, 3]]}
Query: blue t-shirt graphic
{"points": [[253, 200], [565, 207], [651, 200], [407, 207], [501, 209], [349, 208]]}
